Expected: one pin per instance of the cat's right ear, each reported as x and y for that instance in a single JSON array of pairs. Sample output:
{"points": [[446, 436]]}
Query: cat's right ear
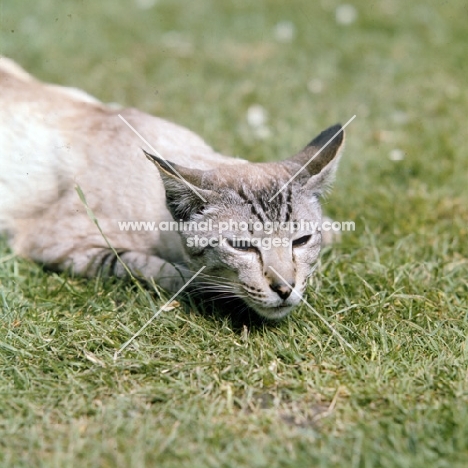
{"points": [[316, 164], [184, 195]]}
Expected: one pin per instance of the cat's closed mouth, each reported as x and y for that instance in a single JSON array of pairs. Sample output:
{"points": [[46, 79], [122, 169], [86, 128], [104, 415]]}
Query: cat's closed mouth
{"points": [[274, 313]]}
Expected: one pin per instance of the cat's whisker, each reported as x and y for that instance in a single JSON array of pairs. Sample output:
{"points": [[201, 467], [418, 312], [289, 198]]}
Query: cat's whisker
{"points": [[217, 286], [218, 280]]}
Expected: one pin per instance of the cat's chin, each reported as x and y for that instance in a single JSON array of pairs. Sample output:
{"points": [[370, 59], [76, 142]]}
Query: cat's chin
{"points": [[273, 313]]}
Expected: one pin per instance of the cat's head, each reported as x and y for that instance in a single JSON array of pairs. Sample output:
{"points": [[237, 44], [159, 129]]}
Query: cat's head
{"points": [[255, 226]]}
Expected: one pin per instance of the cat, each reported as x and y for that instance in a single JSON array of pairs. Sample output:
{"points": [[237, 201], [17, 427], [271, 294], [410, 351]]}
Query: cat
{"points": [[57, 143]]}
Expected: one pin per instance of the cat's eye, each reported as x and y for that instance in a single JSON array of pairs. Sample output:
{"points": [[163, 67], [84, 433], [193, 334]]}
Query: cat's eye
{"points": [[301, 241], [243, 245]]}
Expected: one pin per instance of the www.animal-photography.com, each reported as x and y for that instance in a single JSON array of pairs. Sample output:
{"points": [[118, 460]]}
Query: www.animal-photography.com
{"points": [[233, 233]]}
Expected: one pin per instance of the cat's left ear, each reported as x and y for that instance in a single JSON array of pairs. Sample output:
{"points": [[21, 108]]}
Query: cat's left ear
{"points": [[319, 159], [184, 194]]}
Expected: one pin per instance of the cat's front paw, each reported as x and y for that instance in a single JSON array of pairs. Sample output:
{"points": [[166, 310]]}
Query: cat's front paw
{"points": [[172, 277]]}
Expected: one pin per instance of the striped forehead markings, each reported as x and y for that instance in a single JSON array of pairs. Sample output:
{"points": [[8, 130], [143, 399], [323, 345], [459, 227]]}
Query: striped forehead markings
{"points": [[281, 209]]}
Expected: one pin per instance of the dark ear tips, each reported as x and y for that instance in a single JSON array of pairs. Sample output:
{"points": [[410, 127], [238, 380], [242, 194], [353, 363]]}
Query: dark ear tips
{"points": [[166, 166], [173, 171], [152, 157], [320, 157], [334, 133]]}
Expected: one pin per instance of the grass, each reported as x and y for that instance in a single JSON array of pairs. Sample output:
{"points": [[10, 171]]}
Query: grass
{"points": [[205, 390]]}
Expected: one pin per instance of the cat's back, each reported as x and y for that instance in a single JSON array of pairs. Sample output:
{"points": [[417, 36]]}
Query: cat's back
{"points": [[35, 139], [56, 115], [52, 137]]}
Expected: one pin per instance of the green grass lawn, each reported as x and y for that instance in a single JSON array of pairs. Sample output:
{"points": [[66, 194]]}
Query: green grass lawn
{"points": [[206, 390]]}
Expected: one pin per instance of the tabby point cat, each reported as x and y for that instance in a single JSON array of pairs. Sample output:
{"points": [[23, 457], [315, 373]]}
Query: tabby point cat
{"points": [[53, 139]]}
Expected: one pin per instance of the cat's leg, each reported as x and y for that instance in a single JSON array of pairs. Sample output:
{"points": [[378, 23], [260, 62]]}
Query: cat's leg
{"points": [[85, 253], [90, 262]]}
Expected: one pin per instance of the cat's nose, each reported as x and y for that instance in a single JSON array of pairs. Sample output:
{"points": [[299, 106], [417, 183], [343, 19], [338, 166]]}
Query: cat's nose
{"points": [[282, 289]]}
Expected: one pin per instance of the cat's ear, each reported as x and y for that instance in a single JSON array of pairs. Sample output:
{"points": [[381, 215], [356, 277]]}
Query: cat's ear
{"points": [[319, 159], [184, 195]]}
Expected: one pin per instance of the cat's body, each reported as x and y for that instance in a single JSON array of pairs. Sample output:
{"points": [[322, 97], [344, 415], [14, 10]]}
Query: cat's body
{"points": [[53, 139]]}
